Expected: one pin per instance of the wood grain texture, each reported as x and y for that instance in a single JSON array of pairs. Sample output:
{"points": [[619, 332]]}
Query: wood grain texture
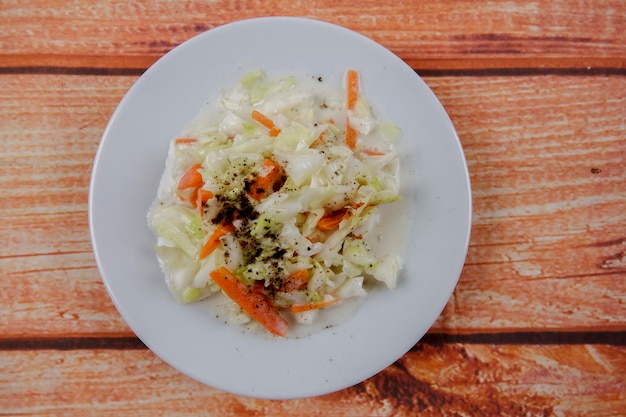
{"points": [[547, 161], [455, 379], [449, 34], [547, 158], [548, 194], [51, 127]]}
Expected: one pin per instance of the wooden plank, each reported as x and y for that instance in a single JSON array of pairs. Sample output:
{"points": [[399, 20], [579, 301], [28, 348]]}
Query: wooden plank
{"points": [[51, 127], [546, 156], [452, 379], [452, 33], [548, 175]]}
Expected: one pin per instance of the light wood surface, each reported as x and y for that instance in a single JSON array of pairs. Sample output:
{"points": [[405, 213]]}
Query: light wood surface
{"points": [[462, 379], [433, 35], [537, 323]]}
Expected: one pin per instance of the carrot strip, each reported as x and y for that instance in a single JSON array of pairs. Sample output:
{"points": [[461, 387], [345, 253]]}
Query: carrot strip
{"points": [[203, 197], [296, 281], [183, 141], [352, 95], [214, 240], [261, 118], [299, 308], [255, 303], [331, 221], [350, 136], [263, 184], [265, 121], [372, 152], [352, 88], [191, 178]]}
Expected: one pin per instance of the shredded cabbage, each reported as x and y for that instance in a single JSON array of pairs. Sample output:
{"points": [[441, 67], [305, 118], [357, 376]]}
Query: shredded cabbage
{"points": [[290, 192]]}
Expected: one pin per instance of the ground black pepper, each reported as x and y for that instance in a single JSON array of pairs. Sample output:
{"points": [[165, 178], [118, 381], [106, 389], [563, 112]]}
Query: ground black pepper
{"points": [[235, 208]]}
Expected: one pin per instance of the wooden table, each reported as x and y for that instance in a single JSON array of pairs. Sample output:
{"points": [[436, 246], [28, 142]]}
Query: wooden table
{"points": [[537, 323]]}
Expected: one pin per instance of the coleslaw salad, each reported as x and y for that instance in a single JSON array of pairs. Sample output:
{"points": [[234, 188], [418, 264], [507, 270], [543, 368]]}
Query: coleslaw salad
{"points": [[271, 197]]}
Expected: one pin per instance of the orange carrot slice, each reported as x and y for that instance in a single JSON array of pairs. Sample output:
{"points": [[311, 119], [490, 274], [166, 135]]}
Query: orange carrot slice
{"points": [[255, 303], [372, 152], [299, 308], [191, 178], [263, 184], [265, 121], [350, 136], [352, 95], [202, 198], [296, 281], [183, 141], [214, 240], [332, 220], [352, 88]]}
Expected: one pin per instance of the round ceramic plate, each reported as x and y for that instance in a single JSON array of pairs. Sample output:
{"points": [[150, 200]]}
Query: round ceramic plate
{"points": [[435, 212]]}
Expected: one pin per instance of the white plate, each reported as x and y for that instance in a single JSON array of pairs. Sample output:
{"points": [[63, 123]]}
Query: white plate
{"points": [[436, 211]]}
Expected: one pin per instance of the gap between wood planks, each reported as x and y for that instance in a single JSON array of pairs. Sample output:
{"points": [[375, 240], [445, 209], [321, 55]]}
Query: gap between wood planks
{"points": [[514, 338], [135, 65]]}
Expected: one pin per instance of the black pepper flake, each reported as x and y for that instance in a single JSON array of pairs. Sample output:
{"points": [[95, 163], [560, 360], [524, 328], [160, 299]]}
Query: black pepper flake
{"points": [[233, 209]]}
